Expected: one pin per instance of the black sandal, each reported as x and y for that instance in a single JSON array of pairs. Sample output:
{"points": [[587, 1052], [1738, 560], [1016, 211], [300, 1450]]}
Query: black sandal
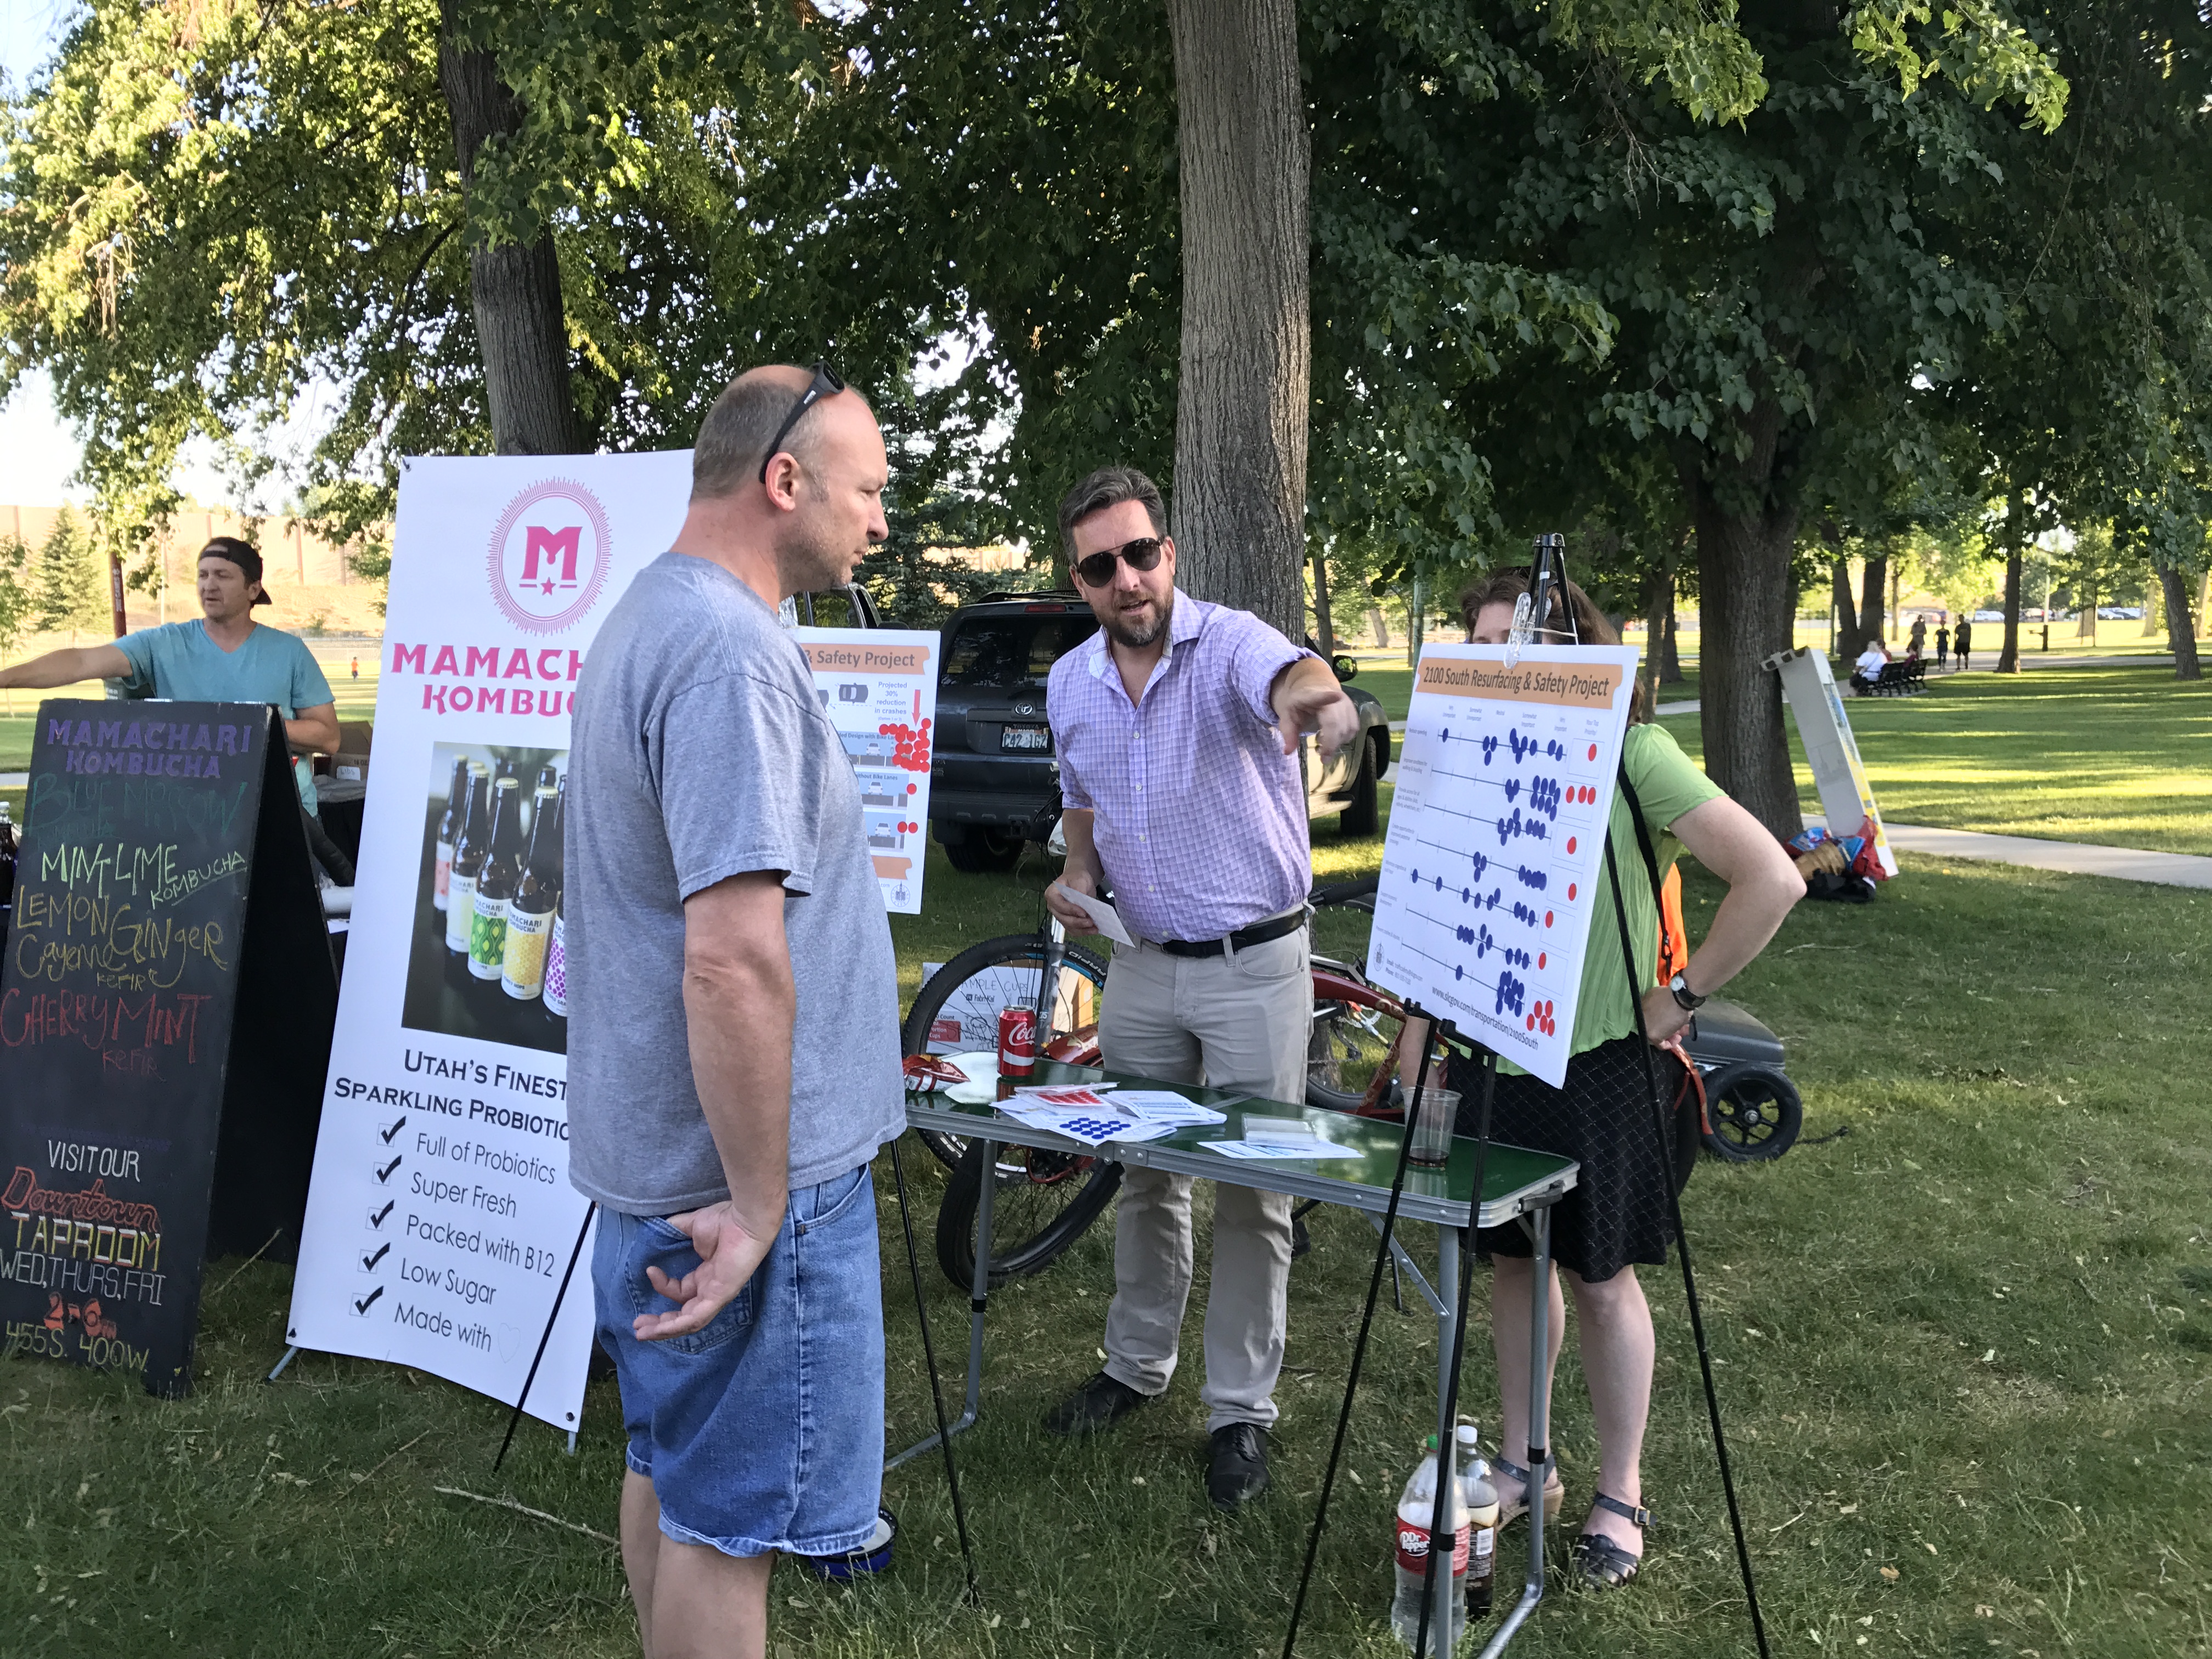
{"points": [[1555, 1492], [1601, 1562]]}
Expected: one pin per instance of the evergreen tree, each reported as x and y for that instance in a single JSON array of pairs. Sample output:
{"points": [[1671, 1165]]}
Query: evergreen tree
{"points": [[67, 591]]}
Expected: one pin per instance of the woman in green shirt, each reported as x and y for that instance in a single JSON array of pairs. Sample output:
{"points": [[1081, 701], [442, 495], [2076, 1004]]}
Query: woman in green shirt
{"points": [[1617, 1216]]}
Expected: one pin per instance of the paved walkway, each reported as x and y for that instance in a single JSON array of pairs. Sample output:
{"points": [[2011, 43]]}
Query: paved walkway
{"points": [[2072, 858]]}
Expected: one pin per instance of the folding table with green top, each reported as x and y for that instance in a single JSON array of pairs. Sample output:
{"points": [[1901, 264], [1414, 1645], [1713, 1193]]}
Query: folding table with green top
{"points": [[1518, 1186]]}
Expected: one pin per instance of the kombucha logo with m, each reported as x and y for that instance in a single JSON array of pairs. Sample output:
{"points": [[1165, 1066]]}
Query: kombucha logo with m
{"points": [[549, 555]]}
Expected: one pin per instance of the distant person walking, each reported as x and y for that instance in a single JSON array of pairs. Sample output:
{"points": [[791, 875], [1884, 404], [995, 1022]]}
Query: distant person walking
{"points": [[1964, 642], [1920, 641], [1942, 644], [356, 667]]}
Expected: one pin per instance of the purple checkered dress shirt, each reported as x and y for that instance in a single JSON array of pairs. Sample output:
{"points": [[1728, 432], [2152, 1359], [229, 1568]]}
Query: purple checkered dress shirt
{"points": [[1198, 816]]}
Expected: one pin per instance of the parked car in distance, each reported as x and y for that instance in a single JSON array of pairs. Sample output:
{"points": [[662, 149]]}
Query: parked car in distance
{"points": [[994, 783]]}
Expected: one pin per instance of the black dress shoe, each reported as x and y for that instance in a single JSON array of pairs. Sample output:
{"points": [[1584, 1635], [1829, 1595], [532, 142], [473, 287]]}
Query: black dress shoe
{"points": [[1098, 1402], [1238, 1472]]}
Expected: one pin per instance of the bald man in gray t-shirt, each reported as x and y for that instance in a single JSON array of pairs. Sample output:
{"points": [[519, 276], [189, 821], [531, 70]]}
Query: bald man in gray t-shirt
{"points": [[734, 1053]]}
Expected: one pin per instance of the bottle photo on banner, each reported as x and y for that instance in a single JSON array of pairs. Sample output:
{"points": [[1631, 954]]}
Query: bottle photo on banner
{"points": [[487, 898]]}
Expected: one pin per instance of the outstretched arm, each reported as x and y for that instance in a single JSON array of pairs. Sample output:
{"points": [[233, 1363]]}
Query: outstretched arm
{"points": [[60, 668], [1306, 698]]}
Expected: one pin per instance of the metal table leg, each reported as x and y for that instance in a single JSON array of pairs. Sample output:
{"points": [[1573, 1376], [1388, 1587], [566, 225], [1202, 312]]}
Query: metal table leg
{"points": [[1448, 1253], [979, 1294], [1539, 1225]]}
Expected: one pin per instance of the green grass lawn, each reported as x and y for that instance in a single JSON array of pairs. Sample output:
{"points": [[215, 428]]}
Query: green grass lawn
{"points": [[2121, 757], [1964, 1351]]}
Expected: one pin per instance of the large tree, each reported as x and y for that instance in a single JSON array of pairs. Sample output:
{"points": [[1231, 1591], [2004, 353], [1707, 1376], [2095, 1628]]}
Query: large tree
{"points": [[488, 226]]}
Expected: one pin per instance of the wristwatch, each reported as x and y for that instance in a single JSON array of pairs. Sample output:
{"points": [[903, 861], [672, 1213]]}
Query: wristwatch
{"points": [[1684, 996]]}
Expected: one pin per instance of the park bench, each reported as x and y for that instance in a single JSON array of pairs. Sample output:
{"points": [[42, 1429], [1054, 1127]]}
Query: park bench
{"points": [[1896, 679]]}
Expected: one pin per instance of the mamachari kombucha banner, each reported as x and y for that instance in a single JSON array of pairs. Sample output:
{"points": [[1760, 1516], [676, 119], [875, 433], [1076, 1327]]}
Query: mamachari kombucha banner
{"points": [[440, 1221]]}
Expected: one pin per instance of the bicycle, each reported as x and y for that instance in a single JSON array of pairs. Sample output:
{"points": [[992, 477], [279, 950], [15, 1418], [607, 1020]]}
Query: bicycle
{"points": [[1044, 1200]]}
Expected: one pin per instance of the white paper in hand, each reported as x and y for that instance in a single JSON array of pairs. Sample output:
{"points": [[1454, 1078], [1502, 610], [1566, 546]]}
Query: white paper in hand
{"points": [[1104, 916]]}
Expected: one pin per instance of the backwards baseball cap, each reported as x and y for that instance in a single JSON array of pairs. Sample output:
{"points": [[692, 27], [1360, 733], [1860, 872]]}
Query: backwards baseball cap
{"points": [[240, 554]]}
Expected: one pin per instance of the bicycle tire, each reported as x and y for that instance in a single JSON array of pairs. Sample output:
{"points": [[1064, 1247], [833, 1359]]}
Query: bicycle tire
{"points": [[1018, 1258], [1008, 951]]}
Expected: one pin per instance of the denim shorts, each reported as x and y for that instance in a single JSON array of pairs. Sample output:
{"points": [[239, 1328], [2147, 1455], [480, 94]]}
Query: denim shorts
{"points": [[764, 1431]]}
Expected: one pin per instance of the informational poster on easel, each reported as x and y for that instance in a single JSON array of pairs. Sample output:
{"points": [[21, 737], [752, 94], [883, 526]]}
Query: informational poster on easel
{"points": [[1490, 874], [440, 1222], [878, 687]]}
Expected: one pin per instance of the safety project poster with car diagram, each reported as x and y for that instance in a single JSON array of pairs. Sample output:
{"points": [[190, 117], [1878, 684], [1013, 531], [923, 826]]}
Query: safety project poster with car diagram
{"points": [[1506, 782], [878, 687], [440, 1222]]}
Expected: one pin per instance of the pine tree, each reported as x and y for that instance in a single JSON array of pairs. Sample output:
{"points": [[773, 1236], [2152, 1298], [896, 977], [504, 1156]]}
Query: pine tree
{"points": [[65, 587]]}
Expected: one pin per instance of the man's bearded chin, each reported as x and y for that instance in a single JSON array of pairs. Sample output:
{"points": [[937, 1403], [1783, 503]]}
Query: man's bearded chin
{"points": [[812, 561], [1138, 636]]}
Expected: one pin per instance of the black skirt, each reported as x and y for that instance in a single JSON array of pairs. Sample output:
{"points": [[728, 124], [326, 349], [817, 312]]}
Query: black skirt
{"points": [[1603, 1119]]}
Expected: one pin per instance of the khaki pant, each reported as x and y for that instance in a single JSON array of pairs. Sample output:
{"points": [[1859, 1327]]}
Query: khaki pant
{"points": [[1239, 1022]]}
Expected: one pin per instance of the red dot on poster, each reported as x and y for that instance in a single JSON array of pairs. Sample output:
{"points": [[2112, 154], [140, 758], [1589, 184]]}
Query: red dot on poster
{"points": [[912, 788], [1570, 843], [1593, 752], [1539, 958], [1532, 1022], [1570, 890], [1547, 918]]}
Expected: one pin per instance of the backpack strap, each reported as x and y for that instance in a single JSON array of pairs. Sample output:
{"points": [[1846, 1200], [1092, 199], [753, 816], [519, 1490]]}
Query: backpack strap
{"points": [[1650, 859]]}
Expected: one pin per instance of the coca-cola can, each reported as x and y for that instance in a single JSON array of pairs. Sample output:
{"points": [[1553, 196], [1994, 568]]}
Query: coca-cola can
{"points": [[1016, 1041]]}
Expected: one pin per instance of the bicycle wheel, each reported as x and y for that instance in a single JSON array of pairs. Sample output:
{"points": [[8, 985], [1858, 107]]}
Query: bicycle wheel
{"points": [[1041, 1204], [1351, 1036], [958, 1008]]}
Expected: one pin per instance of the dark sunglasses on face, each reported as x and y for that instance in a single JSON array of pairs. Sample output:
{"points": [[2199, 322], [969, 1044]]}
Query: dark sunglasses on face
{"points": [[825, 385], [1097, 570]]}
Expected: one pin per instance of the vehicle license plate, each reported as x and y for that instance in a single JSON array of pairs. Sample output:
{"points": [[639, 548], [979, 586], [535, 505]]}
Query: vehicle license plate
{"points": [[1025, 737]]}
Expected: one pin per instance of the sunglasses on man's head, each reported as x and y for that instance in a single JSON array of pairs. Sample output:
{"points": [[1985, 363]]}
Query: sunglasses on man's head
{"points": [[825, 384], [1097, 570]]}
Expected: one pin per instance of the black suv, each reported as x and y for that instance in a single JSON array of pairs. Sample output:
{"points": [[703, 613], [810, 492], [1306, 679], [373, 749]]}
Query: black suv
{"points": [[993, 782]]}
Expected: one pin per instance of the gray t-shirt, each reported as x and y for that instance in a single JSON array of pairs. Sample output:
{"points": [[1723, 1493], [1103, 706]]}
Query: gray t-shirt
{"points": [[699, 752]]}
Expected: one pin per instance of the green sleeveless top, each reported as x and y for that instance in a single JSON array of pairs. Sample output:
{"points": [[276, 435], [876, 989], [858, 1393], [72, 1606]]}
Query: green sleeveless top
{"points": [[1669, 784]]}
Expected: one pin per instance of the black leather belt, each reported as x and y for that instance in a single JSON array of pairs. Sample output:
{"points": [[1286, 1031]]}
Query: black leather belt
{"points": [[1258, 934]]}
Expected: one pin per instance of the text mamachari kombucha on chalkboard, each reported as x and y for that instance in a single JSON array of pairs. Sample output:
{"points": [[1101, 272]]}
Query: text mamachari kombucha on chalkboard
{"points": [[123, 939]]}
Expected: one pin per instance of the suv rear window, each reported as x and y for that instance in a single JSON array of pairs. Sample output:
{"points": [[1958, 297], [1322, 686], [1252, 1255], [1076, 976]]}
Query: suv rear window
{"points": [[1013, 650]]}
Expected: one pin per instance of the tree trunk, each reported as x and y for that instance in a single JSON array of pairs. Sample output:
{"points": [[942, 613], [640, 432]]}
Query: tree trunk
{"points": [[2085, 623], [2181, 626], [514, 289], [1324, 624], [1379, 626], [2009, 657], [1670, 648], [1743, 584], [1658, 600], [1241, 414], [1873, 590], [1847, 611]]}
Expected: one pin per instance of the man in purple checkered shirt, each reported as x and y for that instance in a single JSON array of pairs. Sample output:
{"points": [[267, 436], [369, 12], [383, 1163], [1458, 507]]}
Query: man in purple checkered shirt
{"points": [[1177, 728]]}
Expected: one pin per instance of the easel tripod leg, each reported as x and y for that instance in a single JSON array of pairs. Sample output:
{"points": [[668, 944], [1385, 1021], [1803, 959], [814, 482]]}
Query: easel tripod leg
{"points": [[1538, 1453]]}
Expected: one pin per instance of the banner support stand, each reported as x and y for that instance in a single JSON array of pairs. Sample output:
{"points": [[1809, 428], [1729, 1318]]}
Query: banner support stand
{"points": [[559, 1296], [291, 1354]]}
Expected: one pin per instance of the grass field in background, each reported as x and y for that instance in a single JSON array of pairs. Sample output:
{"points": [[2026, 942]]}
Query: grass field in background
{"points": [[1963, 1351], [2119, 756]]}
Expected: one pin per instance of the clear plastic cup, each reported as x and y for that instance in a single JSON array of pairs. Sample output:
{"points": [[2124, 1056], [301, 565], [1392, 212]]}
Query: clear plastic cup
{"points": [[1432, 1129]]}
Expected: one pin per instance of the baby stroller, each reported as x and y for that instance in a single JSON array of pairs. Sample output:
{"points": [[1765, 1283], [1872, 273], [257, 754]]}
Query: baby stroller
{"points": [[1749, 1110]]}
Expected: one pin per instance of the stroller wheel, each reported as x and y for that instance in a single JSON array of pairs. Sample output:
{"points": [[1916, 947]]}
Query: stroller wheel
{"points": [[1755, 1111]]}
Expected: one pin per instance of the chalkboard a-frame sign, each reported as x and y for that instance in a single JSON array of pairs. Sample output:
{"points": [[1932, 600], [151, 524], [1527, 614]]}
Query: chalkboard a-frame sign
{"points": [[166, 998]]}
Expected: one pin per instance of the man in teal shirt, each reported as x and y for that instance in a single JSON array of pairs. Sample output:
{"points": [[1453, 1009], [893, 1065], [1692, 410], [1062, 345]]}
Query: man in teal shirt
{"points": [[226, 657]]}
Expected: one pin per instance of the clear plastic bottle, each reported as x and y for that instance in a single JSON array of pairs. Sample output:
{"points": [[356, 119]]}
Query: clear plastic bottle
{"points": [[1480, 1497], [1417, 1507]]}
